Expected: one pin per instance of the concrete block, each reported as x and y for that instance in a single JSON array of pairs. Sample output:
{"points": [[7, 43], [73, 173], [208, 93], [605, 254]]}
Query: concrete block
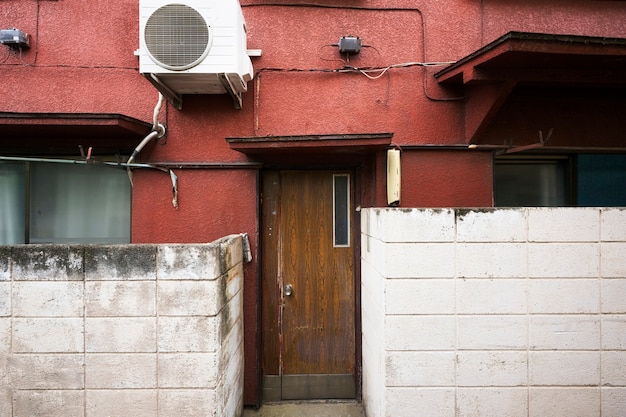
{"points": [[119, 371], [190, 403], [492, 332], [564, 368], [5, 299], [431, 402], [564, 402], [614, 332], [54, 335], [419, 260], [419, 369], [420, 333], [563, 260], [234, 402], [230, 314], [491, 368], [234, 282], [373, 318], [189, 334], [613, 259], [613, 299], [563, 224], [47, 263], [373, 253], [416, 225], [118, 335], [492, 402], [491, 260], [47, 299], [5, 263], [231, 383], [120, 298], [46, 372], [491, 225], [6, 402], [231, 252], [188, 262], [491, 296], [613, 402], [189, 370], [614, 368], [122, 403], [369, 224], [577, 332], [5, 335], [191, 298], [120, 262], [231, 343], [613, 224], [373, 283], [574, 296], [5, 372], [49, 403], [419, 296]]}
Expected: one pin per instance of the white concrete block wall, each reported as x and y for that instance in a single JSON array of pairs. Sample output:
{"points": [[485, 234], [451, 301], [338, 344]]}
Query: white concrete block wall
{"points": [[134, 330], [494, 312]]}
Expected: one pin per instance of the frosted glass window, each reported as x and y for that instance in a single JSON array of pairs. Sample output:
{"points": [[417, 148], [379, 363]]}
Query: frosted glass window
{"points": [[63, 203], [12, 203], [79, 204]]}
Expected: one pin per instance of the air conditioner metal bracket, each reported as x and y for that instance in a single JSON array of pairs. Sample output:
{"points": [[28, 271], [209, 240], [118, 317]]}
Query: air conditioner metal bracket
{"points": [[231, 90], [177, 99], [173, 97]]}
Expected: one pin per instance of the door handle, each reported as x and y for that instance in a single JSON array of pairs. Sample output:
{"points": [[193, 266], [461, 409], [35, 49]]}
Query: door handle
{"points": [[288, 290]]}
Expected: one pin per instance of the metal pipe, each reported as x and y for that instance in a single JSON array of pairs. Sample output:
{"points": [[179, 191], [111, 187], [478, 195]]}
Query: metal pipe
{"points": [[77, 162]]}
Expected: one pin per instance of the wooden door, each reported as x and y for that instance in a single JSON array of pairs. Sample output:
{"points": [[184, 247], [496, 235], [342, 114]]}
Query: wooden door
{"points": [[308, 214]]}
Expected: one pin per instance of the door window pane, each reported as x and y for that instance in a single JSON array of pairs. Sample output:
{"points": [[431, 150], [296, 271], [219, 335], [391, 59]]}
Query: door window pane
{"points": [[341, 209]]}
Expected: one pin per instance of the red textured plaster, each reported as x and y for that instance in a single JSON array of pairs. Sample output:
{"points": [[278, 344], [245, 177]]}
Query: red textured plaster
{"points": [[446, 179], [82, 60]]}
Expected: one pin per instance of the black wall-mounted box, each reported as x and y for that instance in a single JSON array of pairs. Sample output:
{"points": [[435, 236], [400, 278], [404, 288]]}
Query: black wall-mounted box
{"points": [[14, 37]]}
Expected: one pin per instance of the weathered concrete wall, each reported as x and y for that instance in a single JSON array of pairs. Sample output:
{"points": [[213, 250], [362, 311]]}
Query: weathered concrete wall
{"points": [[494, 313], [129, 330]]}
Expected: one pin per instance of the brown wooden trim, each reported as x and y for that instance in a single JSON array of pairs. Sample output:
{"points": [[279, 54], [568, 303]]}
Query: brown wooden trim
{"points": [[353, 143], [270, 194]]}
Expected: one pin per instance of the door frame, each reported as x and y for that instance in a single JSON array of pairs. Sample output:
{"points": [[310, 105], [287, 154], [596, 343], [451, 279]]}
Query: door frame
{"points": [[269, 291]]}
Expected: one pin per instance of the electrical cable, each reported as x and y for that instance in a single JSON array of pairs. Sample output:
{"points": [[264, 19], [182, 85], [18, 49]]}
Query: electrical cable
{"points": [[365, 8]]}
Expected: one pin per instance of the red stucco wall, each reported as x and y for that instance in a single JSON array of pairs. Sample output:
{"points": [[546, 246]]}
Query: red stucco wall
{"points": [[82, 60]]}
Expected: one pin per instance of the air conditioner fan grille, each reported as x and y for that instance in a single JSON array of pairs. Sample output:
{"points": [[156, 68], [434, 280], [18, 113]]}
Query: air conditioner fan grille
{"points": [[177, 36]]}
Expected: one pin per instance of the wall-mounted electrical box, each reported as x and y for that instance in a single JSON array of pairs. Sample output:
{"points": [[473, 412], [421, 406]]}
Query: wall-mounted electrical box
{"points": [[14, 38], [349, 45]]}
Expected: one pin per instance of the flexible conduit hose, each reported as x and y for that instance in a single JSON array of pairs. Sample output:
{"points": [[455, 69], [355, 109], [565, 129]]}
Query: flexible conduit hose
{"points": [[158, 131]]}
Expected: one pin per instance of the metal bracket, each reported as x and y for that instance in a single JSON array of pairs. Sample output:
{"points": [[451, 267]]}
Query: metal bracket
{"points": [[231, 90], [174, 98]]}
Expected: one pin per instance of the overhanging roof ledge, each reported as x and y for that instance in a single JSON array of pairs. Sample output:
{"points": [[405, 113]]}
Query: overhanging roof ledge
{"points": [[541, 57], [334, 143]]}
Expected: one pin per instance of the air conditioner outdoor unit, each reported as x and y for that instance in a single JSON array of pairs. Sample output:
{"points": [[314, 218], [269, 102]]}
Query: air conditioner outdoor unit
{"points": [[194, 47]]}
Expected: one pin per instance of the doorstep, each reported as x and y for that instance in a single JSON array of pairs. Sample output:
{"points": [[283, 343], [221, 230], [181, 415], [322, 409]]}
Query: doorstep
{"points": [[322, 408]]}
